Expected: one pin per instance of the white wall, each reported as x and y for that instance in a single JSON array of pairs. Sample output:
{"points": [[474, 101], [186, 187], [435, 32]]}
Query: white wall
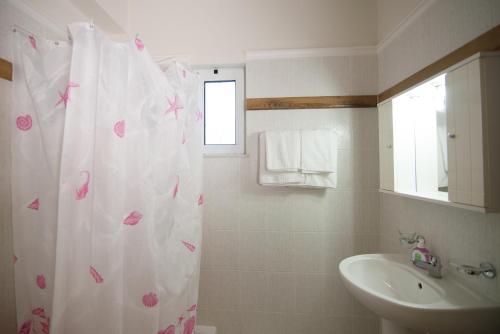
{"points": [[220, 31], [443, 26], [392, 13], [270, 255]]}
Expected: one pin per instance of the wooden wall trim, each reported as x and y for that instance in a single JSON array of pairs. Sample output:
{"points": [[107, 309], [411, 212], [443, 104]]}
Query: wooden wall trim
{"points": [[488, 41], [5, 69], [312, 102]]}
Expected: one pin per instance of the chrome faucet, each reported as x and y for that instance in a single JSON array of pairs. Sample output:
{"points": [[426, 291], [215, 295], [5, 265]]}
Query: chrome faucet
{"points": [[432, 265]]}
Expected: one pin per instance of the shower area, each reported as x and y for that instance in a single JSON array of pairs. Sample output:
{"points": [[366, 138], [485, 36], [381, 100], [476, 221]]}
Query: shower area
{"points": [[106, 186]]}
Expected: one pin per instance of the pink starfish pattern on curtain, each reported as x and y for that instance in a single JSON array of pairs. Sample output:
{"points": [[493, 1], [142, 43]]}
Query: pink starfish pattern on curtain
{"points": [[97, 277], [24, 123], [64, 96], [174, 106], [82, 191], [201, 200], [35, 205]]}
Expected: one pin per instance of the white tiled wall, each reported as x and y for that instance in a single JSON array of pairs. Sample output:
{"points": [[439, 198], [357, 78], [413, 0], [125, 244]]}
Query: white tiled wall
{"points": [[443, 27], [453, 234], [315, 76], [270, 255]]}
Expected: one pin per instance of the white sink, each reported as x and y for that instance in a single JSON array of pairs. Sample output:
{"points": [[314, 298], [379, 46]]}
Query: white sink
{"points": [[393, 288]]}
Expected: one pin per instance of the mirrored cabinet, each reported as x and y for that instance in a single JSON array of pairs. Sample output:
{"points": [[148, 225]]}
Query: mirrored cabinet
{"points": [[440, 140]]}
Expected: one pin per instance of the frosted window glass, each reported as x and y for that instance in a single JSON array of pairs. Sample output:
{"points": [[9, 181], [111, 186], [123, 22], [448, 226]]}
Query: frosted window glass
{"points": [[220, 112]]}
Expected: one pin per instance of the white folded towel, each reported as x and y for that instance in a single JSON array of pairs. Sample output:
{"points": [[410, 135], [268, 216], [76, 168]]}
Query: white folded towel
{"points": [[267, 177], [283, 151], [319, 151], [290, 178], [324, 180]]}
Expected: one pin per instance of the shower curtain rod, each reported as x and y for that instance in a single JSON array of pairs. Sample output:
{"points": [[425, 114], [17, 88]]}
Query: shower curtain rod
{"points": [[6, 66]]}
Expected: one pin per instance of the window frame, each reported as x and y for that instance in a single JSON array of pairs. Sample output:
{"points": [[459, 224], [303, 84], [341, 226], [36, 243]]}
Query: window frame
{"points": [[225, 74]]}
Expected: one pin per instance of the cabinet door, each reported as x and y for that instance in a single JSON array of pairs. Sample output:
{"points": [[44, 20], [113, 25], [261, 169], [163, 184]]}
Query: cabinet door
{"points": [[386, 158], [465, 138]]}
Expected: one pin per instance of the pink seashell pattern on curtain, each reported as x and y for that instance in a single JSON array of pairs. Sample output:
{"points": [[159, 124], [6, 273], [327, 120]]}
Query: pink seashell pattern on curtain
{"points": [[81, 192], [97, 277], [133, 218], [25, 327], [35, 205], [106, 184], [189, 325], [169, 330], [119, 128], [24, 123], [150, 299], [40, 281]]}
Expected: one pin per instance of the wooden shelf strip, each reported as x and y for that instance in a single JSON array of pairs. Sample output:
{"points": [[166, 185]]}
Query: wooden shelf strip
{"points": [[5, 69], [312, 102]]}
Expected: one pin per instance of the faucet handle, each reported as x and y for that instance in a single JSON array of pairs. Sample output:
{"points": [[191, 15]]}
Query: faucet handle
{"points": [[409, 239], [485, 269]]}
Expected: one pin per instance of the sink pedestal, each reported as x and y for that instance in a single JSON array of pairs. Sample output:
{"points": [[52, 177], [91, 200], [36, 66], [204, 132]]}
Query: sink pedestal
{"points": [[388, 327]]}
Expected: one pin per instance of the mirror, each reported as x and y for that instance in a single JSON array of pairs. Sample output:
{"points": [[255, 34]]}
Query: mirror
{"points": [[420, 142]]}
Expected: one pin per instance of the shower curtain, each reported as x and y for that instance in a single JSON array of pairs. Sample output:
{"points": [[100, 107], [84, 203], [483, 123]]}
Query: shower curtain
{"points": [[106, 186]]}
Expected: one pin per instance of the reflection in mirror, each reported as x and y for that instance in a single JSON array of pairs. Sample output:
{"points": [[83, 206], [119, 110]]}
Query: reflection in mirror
{"points": [[420, 149]]}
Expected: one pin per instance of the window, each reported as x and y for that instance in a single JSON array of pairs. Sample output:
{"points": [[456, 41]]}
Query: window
{"points": [[223, 101]]}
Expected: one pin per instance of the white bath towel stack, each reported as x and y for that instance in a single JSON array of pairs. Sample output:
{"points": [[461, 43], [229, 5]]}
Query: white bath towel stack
{"points": [[299, 158]]}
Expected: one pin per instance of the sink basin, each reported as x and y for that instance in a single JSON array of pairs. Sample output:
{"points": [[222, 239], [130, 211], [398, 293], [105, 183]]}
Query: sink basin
{"points": [[393, 288]]}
